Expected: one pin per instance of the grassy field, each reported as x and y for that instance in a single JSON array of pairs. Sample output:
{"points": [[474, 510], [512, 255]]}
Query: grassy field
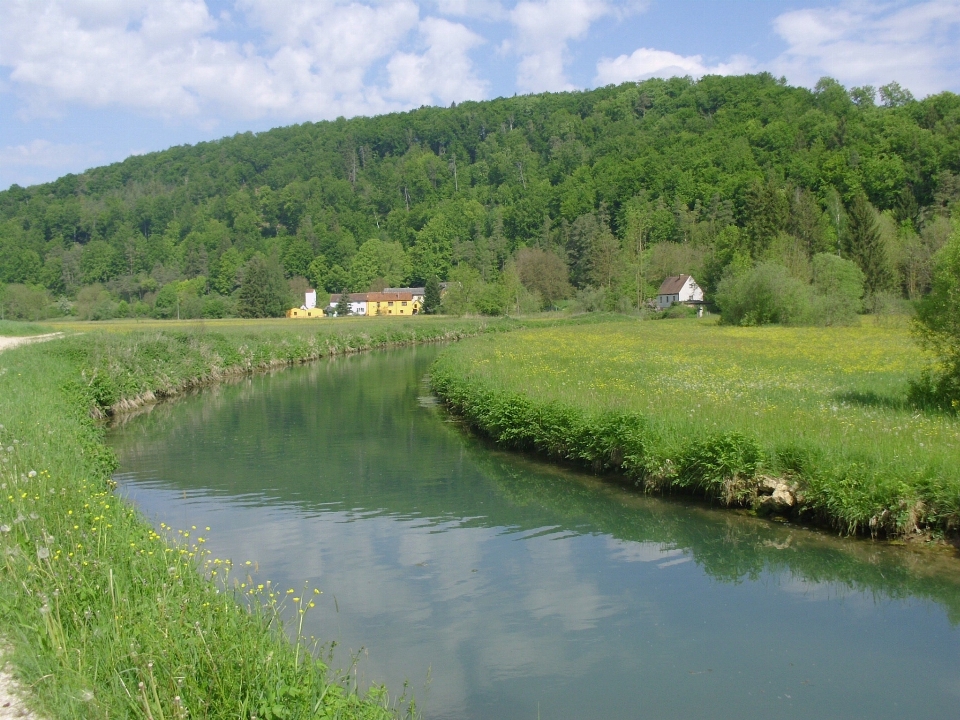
{"points": [[106, 618], [15, 328], [695, 407]]}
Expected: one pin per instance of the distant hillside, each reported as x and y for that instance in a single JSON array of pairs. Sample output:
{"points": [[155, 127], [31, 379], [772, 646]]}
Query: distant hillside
{"points": [[697, 174]]}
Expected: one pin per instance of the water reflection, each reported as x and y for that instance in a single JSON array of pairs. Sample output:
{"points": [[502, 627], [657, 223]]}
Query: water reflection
{"points": [[504, 588]]}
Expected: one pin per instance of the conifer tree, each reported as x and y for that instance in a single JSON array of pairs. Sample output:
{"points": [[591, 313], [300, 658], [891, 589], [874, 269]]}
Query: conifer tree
{"points": [[343, 304], [864, 245], [431, 296], [263, 290]]}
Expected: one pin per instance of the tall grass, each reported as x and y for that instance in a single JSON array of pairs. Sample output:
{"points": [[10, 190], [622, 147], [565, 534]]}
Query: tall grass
{"points": [[16, 327], [693, 407], [107, 618]]}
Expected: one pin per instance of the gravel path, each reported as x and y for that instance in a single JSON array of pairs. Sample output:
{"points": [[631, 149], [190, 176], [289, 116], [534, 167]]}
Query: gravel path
{"points": [[11, 706], [12, 342]]}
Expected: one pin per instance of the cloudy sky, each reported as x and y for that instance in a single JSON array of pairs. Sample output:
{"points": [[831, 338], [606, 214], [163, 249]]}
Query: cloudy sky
{"points": [[87, 82]]}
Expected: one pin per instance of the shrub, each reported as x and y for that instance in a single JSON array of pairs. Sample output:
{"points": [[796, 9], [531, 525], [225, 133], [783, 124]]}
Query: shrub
{"points": [[938, 329], [23, 302], [720, 465], [839, 287], [763, 295]]}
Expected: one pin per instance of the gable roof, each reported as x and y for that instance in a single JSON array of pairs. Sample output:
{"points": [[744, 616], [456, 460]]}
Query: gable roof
{"points": [[354, 297], [673, 284], [388, 296]]}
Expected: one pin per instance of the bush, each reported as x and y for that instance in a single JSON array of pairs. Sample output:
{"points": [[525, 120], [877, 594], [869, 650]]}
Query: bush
{"points": [[23, 302], [838, 284], [95, 303], [764, 295], [938, 329]]}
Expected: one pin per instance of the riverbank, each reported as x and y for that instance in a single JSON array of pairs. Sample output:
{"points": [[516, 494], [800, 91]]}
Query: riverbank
{"points": [[809, 424], [105, 617]]}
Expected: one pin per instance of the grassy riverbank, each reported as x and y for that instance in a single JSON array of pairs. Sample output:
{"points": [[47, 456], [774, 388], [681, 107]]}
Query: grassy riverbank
{"points": [[728, 413], [108, 619]]}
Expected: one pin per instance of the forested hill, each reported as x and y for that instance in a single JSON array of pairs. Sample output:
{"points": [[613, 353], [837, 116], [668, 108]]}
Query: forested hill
{"points": [[664, 175]]}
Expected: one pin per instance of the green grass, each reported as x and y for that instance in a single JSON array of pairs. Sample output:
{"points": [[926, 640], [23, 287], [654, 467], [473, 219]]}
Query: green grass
{"points": [[108, 619], [690, 406], [15, 328]]}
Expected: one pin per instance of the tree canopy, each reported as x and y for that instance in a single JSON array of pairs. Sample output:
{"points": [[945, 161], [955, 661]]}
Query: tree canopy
{"points": [[733, 171]]}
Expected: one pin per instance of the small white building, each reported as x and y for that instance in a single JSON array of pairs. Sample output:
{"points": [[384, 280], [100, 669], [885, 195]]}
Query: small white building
{"points": [[358, 303], [680, 289], [310, 299]]}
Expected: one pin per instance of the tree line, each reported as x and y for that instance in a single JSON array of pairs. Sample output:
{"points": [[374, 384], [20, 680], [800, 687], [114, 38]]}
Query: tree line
{"points": [[523, 203]]}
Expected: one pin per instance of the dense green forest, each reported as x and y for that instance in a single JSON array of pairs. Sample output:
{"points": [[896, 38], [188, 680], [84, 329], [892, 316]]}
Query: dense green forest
{"points": [[526, 202]]}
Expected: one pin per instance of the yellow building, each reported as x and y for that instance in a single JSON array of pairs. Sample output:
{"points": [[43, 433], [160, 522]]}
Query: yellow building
{"points": [[301, 313], [392, 304]]}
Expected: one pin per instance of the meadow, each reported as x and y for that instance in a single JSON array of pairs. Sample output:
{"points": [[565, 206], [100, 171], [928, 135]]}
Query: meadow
{"points": [[726, 412], [107, 618]]}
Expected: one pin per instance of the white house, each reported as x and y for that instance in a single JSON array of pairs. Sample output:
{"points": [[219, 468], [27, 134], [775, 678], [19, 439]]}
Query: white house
{"points": [[680, 289], [358, 303], [310, 298]]}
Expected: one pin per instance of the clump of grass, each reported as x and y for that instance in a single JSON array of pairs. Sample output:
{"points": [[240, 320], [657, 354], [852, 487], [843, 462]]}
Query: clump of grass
{"points": [[694, 407]]}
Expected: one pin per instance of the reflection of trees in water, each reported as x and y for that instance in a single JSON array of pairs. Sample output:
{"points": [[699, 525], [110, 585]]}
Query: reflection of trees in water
{"points": [[349, 430], [728, 546]]}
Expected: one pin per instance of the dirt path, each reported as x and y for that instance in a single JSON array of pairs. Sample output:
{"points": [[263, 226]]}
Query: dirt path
{"points": [[11, 706], [11, 342]]}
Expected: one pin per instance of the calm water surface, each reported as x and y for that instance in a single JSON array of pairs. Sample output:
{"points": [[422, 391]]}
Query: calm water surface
{"points": [[501, 587]]}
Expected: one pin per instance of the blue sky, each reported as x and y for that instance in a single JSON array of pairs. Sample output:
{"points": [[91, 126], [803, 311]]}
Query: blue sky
{"points": [[87, 82]]}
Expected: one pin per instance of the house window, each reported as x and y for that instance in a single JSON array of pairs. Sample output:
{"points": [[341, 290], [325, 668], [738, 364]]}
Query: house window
{"points": [[390, 303], [404, 303]]}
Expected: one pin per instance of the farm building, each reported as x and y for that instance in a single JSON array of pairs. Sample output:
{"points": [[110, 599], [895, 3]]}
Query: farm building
{"points": [[302, 312], [358, 303], [393, 303], [680, 289], [309, 308]]}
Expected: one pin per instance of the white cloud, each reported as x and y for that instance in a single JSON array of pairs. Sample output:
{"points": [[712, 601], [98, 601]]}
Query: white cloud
{"points": [[645, 63], [860, 43], [164, 58], [444, 71], [543, 30]]}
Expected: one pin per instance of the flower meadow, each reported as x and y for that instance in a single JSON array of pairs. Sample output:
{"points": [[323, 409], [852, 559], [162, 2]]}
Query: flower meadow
{"points": [[691, 406], [106, 617]]}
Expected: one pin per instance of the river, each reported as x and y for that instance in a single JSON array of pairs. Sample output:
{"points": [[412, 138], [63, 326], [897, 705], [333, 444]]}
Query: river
{"points": [[503, 587]]}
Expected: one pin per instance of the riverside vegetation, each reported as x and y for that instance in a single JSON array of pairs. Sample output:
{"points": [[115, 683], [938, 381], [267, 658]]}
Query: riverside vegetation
{"points": [[108, 618], [814, 423]]}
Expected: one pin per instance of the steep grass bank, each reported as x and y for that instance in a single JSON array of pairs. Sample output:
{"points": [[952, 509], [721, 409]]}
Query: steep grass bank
{"points": [[805, 422], [107, 618]]}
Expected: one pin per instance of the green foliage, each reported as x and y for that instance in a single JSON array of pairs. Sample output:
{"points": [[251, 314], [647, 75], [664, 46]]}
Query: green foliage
{"points": [[24, 302], [263, 292], [839, 287], [431, 296], [379, 263], [736, 169], [763, 295], [938, 328], [720, 466], [862, 244], [343, 304]]}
